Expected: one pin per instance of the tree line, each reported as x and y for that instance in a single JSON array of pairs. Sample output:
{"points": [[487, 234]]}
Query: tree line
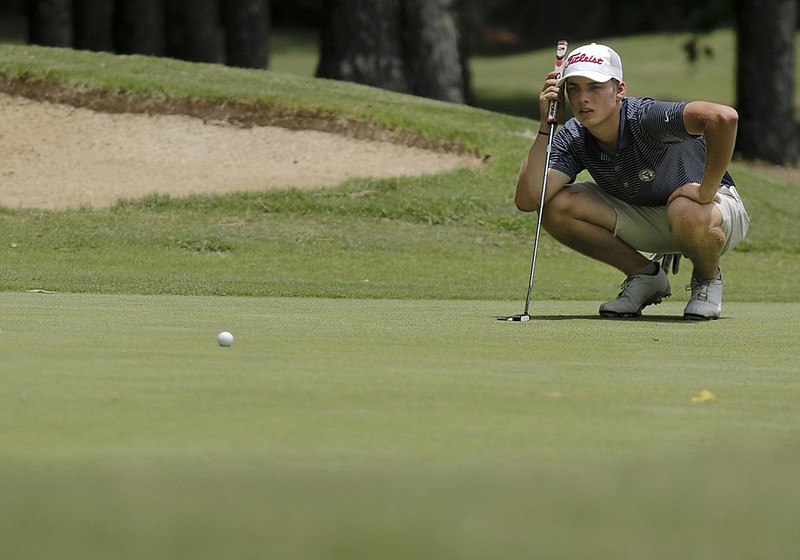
{"points": [[183, 29], [422, 47]]}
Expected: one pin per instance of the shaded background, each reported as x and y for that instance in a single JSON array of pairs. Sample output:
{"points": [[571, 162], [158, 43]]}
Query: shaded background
{"points": [[423, 47]]}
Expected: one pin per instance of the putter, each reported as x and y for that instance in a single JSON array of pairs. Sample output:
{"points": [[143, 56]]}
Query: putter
{"points": [[552, 120]]}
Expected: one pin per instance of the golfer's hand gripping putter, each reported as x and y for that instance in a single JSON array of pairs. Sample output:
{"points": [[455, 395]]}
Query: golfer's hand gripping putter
{"points": [[552, 120]]}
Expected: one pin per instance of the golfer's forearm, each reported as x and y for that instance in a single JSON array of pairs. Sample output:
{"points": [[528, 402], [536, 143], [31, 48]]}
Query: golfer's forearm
{"points": [[529, 179], [720, 143], [718, 124]]}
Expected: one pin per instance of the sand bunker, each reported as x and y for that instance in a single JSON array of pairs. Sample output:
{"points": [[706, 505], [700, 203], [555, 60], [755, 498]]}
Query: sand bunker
{"points": [[58, 156]]}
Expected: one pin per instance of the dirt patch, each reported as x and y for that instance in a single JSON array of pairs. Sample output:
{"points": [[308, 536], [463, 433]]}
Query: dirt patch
{"points": [[57, 155]]}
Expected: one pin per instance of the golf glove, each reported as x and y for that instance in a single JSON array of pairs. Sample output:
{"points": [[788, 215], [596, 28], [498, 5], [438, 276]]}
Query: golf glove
{"points": [[669, 261]]}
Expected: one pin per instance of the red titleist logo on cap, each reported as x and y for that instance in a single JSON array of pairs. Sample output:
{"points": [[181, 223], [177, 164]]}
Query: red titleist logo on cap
{"points": [[580, 57]]}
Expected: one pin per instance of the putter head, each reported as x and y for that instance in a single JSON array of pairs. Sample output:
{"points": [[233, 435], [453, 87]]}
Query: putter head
{"points": [[522, 317]]}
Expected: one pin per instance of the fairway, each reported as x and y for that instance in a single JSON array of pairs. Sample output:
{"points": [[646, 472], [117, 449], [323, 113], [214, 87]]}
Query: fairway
{"points": [[337, 428]]}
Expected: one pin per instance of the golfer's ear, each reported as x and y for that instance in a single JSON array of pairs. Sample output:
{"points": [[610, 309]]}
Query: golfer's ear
{"points": [[621, 90]]}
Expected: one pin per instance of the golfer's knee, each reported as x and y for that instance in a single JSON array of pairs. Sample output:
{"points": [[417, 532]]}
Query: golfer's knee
{"points": [[686, 216], [557, 210], [691, 225], [566, 206]]}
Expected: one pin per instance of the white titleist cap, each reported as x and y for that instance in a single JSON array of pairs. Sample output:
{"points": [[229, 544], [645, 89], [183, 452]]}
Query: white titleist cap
{"points": [[599, 63]]}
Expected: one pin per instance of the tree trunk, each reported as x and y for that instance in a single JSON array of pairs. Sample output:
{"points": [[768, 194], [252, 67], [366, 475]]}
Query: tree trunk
{"points": [[765, 80], [408, 46], [50, 23], [246, 31], [361, 42], [466, 13], [92, 24], [193, 30], [139, 27], [431, 50]]}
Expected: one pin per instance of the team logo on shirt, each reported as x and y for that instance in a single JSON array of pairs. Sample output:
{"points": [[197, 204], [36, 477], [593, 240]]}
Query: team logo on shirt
{"points": [[647, 175]]}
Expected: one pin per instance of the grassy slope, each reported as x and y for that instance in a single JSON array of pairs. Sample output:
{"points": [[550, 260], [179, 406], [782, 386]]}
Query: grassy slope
{"points": [[238, 244]]}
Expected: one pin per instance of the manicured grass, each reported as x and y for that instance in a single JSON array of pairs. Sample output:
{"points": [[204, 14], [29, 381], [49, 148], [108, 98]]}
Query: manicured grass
{"points": [[386, 428], [441, 366]]}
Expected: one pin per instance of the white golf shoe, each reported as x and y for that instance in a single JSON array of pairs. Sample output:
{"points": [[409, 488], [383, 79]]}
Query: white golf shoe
{"points": [[706, 300], [637, 292]]}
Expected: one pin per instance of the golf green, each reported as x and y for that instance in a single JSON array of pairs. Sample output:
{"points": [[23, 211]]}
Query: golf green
{"points": [[393, 429]]}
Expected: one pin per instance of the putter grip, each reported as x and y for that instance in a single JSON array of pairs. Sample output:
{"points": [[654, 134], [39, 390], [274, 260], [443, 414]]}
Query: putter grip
{"points": [[561, 53]]}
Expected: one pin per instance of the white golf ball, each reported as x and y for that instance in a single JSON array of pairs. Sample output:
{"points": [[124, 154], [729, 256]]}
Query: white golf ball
{"points": [[225, 338]]}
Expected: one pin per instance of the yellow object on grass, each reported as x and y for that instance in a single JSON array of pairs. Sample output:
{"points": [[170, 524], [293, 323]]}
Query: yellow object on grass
{"points": [[705, 397]]}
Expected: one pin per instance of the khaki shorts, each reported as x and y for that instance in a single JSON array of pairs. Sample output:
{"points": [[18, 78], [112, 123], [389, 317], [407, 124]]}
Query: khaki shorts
{"points": [[645, 228]]}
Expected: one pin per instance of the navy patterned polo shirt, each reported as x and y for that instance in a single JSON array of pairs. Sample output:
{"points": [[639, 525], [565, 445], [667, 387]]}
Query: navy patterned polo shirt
{"points": [[655, 155]]}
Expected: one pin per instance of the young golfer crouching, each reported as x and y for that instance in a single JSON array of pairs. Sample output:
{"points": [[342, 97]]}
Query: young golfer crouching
{"points": [[660, 183]]}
